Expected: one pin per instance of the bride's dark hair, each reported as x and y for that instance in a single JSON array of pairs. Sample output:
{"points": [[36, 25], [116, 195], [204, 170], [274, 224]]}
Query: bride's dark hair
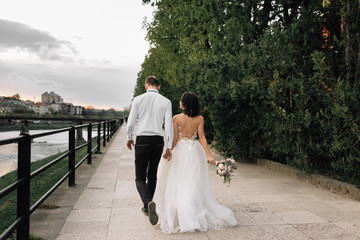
{"points": [[191, 104]]}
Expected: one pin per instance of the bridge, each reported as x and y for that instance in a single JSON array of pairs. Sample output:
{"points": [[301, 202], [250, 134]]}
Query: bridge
{"points": [[104, 204]]}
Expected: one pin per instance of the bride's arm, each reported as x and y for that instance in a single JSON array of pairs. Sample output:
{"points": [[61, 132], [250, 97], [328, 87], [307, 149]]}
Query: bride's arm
{"points": [[176, 133], [203, 142]]}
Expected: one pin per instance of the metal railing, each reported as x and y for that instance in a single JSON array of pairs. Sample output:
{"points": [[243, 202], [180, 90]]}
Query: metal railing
{"points": [[21, 225]]}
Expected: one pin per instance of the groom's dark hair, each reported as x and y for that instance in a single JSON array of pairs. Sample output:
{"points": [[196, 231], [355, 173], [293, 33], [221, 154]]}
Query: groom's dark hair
{"points": [[152, 81]]}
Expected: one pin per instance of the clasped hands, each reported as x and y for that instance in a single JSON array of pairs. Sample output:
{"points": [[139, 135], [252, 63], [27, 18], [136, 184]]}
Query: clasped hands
{"points": [[168, 154]]}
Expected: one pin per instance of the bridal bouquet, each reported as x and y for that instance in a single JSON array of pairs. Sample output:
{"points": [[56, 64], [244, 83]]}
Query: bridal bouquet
{"points": [[225, 168]]}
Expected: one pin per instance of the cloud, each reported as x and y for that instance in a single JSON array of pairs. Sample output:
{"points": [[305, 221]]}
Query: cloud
{"points": [[58, 67], [17, 77], [43, 44], [25, 81], [108, 86], [48, 83]]}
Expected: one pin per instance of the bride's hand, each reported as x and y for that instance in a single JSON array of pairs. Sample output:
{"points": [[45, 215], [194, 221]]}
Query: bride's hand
{"points": [[168, 154], [212, 160]]}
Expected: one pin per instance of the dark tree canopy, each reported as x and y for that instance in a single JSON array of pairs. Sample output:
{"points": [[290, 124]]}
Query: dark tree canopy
{"points": [[275, 78]]}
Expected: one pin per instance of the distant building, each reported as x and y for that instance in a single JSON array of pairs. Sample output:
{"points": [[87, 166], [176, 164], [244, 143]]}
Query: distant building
{"points": [[40, 108], [51, 98], [67, 108], [77, 110], [57, 107]]}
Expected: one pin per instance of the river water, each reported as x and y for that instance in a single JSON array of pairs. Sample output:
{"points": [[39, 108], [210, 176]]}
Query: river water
{"points": [[40, 148]]}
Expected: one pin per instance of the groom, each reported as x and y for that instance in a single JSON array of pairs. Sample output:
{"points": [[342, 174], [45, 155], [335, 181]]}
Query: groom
{"points": [[151, 111]]}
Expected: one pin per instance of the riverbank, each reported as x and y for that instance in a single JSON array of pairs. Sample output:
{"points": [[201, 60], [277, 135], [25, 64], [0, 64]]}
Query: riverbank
{"points": [[6, 169], [40, 148], [35, 126]]}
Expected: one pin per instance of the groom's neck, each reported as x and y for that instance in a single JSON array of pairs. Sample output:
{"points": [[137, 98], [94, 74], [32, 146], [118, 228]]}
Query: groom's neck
{"points": [[151, 89], [157, 88]]}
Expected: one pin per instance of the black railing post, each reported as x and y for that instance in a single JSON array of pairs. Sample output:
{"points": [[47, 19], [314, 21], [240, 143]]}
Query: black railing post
{"points": [[110, 128], [72, 157], [104, 142], [108, 131], [113, 127], [99, 137], [89, 147], [23, 192]]}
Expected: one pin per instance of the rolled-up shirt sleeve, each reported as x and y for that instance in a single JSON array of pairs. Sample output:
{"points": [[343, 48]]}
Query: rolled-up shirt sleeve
{"points": [[132, 120], [169, 133]]}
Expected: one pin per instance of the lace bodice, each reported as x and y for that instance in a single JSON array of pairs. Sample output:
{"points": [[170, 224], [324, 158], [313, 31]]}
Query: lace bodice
{"points": [[192, 138]]}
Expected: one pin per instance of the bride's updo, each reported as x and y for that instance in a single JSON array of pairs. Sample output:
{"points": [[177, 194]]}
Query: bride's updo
{"points": [[190, 103]]}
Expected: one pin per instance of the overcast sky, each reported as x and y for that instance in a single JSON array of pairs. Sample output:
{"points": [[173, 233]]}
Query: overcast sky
{"points": [[87, 51]]}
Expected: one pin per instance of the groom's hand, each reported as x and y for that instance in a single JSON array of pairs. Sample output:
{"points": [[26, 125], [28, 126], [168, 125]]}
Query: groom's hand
{"points": [[168, 154], [129, 143]]}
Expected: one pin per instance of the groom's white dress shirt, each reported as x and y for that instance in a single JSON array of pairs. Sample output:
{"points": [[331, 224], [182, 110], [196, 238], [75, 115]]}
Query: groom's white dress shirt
{"points": [[151, 110]]}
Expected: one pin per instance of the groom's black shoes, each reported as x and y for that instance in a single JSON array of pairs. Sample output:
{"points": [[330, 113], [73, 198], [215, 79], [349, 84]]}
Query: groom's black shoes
{"points": [[153, 217], [145, 211]]}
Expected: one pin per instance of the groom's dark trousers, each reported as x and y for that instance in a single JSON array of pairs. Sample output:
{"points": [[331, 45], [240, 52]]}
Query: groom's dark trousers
{"points": [[148, 150]]}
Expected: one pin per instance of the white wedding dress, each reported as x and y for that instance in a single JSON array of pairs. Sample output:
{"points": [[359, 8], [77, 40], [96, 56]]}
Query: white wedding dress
{"points": [[183, 196]]}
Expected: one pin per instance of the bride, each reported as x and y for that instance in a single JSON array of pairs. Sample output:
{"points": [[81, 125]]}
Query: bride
{"points": [[183, 196]]}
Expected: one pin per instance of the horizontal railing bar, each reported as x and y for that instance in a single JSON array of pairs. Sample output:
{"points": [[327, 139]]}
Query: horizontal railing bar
{"points": [[48, 193], [10, 140], [81, 146], [11, 228], [46, 166], [81, 161], [11, 187], [50, 132], [92, 150], [81, 126]]}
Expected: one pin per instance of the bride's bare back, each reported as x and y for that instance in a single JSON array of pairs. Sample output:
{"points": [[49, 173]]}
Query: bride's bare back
{"points": [[188, 127]]}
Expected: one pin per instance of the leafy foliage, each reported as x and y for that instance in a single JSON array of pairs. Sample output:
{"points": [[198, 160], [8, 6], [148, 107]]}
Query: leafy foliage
{"points": [[275, 79]]}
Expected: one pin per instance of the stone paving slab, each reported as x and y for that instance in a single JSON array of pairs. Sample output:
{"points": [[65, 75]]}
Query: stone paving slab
{"points": [[267, 204]]}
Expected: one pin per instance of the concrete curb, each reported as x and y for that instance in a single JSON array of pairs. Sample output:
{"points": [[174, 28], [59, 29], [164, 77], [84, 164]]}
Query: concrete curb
{"points": [[334, 186]]}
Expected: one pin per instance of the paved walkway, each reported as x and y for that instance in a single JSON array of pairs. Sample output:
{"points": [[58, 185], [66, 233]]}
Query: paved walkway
{"points": [[268, 205]]}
